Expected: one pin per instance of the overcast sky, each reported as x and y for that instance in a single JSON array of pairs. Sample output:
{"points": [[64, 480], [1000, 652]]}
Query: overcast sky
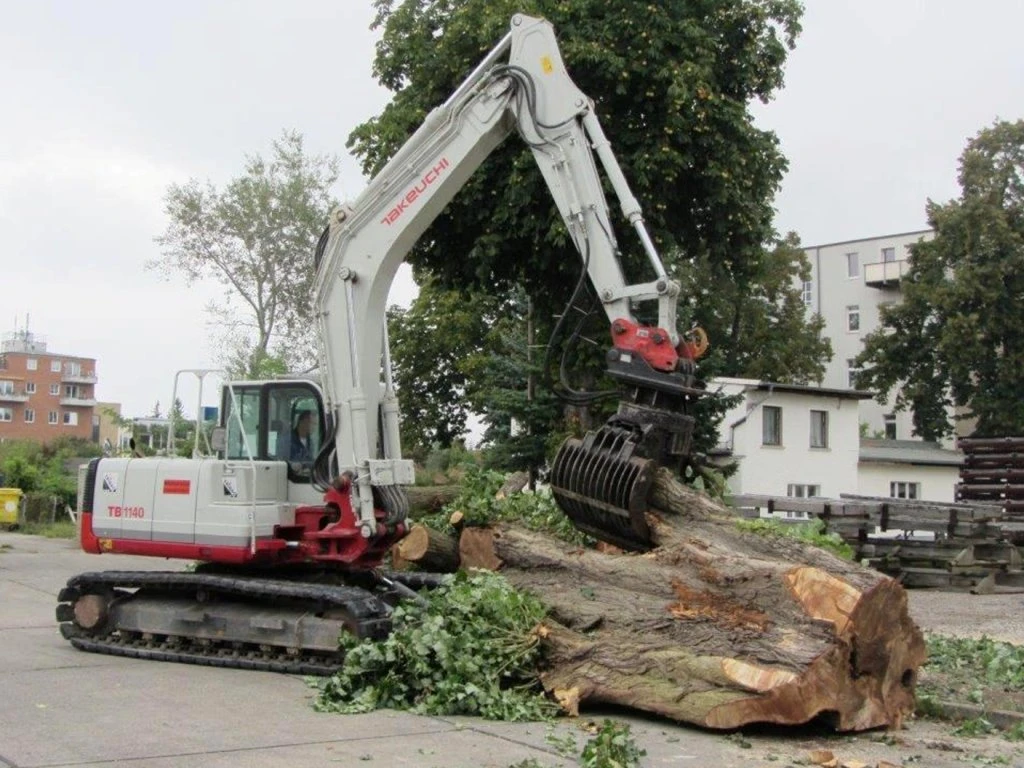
{"points": [[107, 103]]}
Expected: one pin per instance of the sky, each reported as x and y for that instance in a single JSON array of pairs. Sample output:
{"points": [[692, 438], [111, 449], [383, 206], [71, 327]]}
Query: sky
{"points": [[106, 103]]}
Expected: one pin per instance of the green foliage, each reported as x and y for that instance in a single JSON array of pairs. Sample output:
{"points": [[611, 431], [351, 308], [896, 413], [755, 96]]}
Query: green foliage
{"points": [[612, 747], [470, 651], [672, 86], [758, 325], [813, 532], [976, 726], [33, 467], [479, 505], [61, 529], [981, 661], [956, 338], [256, 237], [429, 343]]}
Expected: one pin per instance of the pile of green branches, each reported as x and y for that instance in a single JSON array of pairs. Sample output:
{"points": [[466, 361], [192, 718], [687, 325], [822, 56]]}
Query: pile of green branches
{"points": [[470, 649]]}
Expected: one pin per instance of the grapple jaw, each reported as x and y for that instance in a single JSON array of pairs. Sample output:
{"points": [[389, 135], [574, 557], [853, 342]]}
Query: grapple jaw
{"points": [[603, 481]]}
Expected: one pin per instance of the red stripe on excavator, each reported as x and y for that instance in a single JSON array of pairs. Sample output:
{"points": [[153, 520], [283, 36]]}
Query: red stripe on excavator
{"points": [[178, 486], [178, 550]]}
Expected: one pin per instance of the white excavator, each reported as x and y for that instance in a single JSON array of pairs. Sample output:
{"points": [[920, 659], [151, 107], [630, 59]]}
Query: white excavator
{"points": [[292, 516]]}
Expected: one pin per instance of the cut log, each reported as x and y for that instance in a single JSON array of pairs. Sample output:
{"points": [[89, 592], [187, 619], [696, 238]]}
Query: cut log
{"points": [[514, 483], [715, 626], [427, 499], [430, 550]]}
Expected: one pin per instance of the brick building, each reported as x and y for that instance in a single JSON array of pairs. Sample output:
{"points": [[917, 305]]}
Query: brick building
{"points": [[44, 395]]}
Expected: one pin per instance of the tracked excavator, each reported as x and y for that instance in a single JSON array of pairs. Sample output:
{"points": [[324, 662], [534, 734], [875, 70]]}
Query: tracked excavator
{"points": [[290, 516]]}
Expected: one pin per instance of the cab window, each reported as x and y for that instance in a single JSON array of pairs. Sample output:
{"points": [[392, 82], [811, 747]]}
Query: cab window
{"points": [[249, 409], [293, 434]]}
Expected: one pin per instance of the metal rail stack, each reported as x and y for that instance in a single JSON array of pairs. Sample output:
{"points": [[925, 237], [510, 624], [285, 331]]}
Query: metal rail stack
{"points": [[993, 473]]}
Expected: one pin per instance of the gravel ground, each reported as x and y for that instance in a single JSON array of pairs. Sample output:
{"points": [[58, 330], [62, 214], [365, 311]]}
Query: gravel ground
{"points": [[999, 616]]}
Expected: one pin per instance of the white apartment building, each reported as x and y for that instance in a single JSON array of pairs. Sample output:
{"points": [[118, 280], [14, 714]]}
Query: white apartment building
{"points": [[850, 280]]}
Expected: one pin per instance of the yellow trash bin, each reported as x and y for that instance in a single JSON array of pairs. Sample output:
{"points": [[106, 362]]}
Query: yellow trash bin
{"points": [[10, 500]]}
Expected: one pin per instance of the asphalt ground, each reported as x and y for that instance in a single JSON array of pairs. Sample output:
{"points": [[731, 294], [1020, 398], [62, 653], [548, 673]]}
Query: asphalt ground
{"points": [[61, 707]]}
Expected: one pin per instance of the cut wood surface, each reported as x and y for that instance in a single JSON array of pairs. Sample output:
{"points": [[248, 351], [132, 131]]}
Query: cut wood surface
{"points": [[430, 550], [715, 626]]}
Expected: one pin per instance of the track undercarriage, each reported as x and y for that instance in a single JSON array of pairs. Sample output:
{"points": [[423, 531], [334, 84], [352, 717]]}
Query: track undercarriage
{"points": [[284, 623]]}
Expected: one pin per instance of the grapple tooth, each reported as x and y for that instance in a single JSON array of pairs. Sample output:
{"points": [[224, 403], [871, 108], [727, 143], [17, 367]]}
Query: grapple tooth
{"points": [[603, 487]]}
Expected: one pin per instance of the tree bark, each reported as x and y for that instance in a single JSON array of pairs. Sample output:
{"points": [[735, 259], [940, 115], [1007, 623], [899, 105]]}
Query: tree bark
{"points": [[425, 499], [714, 626], [430, 550]]}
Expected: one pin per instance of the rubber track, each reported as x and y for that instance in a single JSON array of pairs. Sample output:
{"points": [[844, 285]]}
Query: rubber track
{"points": [[370, 614], [357, 602], [283, 665]]}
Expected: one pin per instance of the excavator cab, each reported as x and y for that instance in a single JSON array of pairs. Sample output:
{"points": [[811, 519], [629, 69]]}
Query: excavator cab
{"points": [[276, 421]]}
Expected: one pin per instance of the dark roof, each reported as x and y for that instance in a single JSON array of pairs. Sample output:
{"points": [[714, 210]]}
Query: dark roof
{"points": [[908, 452], [810, 389]]}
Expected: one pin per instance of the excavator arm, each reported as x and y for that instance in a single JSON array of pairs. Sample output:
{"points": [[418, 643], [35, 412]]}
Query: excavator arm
{"points": [[602, 481]]}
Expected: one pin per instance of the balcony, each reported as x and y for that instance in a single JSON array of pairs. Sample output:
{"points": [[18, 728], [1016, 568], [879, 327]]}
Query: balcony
{"points": [[77, 377], [886, 274], [11, 396], [78, 402]]}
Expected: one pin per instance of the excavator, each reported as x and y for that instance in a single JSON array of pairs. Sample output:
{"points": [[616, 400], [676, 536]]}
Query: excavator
{"points": [[292, 512]]}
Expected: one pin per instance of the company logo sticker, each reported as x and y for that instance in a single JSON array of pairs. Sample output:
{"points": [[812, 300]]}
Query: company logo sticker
{"points": [[110, 482], [231, 487]]}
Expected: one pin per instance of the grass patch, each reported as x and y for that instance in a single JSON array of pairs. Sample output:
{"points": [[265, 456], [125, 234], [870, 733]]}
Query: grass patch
{"points": [[813, 532], [62, 529], [979, 671]]}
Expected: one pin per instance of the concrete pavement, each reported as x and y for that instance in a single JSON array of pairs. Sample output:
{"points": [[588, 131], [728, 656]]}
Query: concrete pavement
{"points": [[61, 707]]}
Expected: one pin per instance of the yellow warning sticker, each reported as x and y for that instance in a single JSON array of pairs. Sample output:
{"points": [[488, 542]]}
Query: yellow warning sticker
{"points": [[106, 544], [547, 65]]}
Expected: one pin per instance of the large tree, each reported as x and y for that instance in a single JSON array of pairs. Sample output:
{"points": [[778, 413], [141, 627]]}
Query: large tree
{"points": [[672, 83], [957, 339], [255, 237]]}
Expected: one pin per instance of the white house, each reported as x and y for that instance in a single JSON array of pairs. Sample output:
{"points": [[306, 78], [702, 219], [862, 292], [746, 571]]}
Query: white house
{"points": [[796, 440]]}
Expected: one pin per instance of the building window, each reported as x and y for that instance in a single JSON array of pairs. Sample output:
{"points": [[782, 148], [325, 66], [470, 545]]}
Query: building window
{"points": [[70, 418], [851, 372], [30, 387], [55, 366], [31, 364], [807, 292], [888, 254], [901, 490], [6, 414], [30, 416], [73, 369], [803, 490], [819, 429], [6, 387], [3, 362], [852, 265], [771, 425], [72, 390], [51, 417], [55, 389], [853, 317], [890, 426]]}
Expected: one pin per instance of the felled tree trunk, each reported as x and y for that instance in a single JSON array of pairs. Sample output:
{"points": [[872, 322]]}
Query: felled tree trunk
{"points": [[715, 626], [425, 499], [430, 550]]}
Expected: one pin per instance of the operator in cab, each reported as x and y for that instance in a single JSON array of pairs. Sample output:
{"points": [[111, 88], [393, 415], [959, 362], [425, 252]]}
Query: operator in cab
{"points": [[301, 448]]}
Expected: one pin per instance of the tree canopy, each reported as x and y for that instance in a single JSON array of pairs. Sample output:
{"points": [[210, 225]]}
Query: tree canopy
{"points": [[672, 83], [957, 339], [255, 237]]}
